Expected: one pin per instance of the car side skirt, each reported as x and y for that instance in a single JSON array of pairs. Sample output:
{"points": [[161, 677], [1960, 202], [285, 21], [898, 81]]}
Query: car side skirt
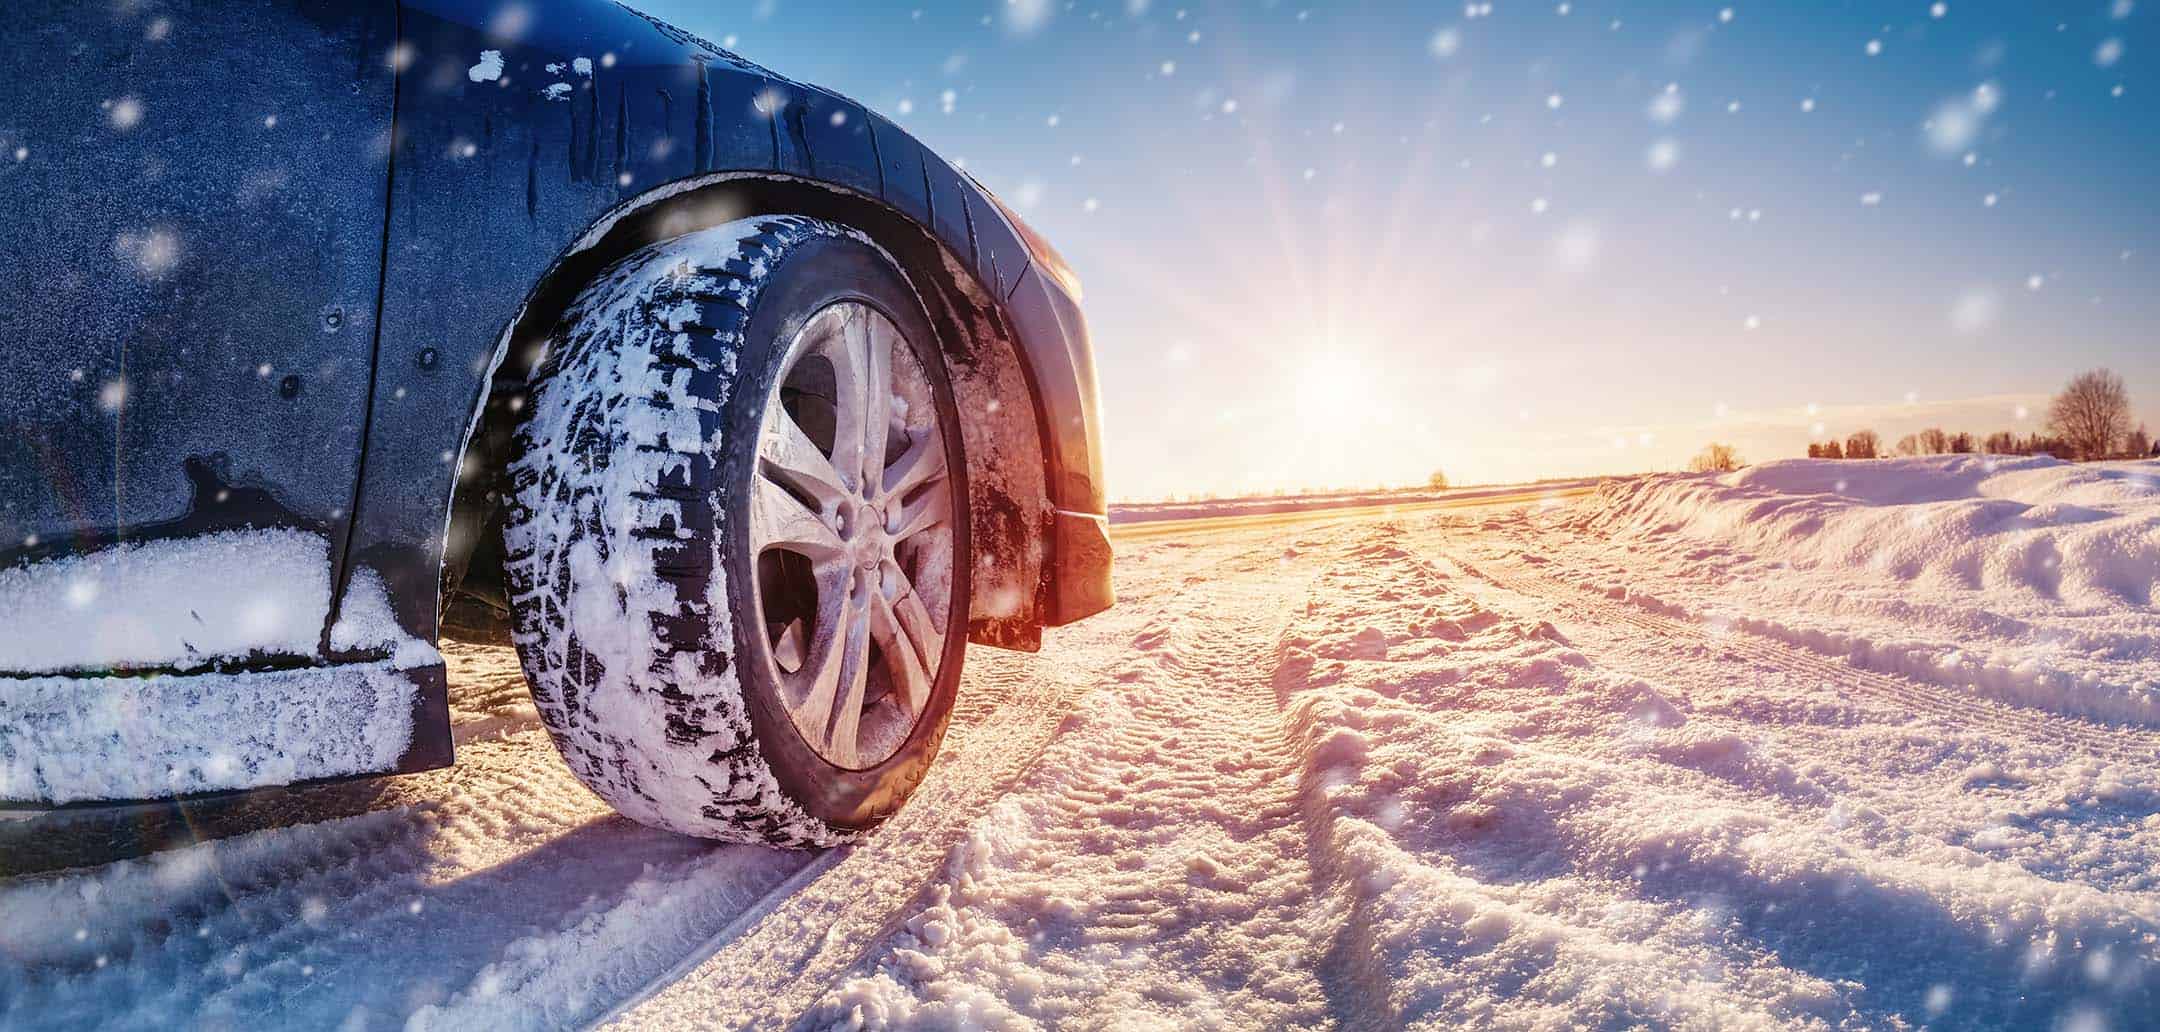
{"points": [[99, 741]]}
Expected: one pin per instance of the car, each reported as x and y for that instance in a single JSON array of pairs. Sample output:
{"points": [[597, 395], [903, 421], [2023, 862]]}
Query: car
{"points": [[329, 324]]}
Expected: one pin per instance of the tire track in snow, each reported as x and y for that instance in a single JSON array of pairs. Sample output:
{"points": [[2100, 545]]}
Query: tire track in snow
{"points": [[777, 969], [1782, 893], [1161, 829]]}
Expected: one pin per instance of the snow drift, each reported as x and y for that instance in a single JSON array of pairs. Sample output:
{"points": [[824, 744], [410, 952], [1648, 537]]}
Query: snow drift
{"points": [[2033, 527], [2024, 579]]}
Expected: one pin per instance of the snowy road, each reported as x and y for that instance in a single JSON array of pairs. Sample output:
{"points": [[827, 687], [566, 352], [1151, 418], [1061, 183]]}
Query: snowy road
{"points": [[1358, 770]]}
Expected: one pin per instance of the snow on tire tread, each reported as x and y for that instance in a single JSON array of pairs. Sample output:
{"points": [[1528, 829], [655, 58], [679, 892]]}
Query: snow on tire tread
{"points": [[621, 604]]}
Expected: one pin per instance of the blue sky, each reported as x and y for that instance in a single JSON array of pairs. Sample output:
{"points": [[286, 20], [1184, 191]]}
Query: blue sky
{"points": [[1345, 244]]}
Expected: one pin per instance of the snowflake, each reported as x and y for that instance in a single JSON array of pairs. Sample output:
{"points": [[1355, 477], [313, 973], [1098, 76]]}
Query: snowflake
{"points": [[1667, 105], [1663, 155], [124, 113]]}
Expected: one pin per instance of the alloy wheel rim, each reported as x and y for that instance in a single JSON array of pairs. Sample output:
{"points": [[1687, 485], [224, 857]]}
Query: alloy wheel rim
{"points": [[850, 522]]}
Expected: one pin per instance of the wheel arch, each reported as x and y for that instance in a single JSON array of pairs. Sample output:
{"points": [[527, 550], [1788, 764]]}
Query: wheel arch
{"points": [[1004, 426]]}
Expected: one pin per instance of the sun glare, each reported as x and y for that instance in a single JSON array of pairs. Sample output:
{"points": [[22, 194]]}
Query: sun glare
{"points": [[1330, 389]]}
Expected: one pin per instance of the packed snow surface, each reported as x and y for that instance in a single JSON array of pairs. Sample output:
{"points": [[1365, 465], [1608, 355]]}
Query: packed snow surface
{"points": [[1609, 765]]}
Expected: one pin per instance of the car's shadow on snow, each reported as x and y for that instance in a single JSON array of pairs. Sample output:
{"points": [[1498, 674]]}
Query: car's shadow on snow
{"points": [[35, 842], [356, 922]]}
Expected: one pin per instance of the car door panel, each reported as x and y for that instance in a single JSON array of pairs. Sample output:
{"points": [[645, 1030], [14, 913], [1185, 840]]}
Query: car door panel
{"points": [[187, 303]]}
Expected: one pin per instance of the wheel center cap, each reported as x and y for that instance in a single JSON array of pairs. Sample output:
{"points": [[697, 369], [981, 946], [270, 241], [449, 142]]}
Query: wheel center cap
{"points": [[868, 543]]}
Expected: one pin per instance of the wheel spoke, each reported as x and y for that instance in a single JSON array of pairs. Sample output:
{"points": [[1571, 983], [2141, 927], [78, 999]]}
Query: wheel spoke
{"points": [[933, 508], [780, 520], [922, 462], [853, 680], [877, 335], [903, 656], [831, 709], [838, 334], [786, 454]]}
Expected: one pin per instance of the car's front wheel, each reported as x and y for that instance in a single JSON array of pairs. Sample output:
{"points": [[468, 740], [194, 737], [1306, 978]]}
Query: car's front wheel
{"points": [[737, 538]]}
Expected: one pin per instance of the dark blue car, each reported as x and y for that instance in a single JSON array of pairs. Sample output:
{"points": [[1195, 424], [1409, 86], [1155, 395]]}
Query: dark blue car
{"points": [[327, 324]]}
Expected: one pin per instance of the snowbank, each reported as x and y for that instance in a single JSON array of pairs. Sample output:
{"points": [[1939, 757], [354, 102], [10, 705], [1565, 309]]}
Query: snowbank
{"points": [[2083, 534], [2028, 580]]}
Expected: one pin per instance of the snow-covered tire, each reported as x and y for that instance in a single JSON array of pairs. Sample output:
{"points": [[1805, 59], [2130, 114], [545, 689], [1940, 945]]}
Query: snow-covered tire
{"points": [[634, 579]]}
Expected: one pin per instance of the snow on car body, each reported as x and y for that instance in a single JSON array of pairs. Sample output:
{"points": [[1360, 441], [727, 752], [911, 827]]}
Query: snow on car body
{"points": [[280, 284]]}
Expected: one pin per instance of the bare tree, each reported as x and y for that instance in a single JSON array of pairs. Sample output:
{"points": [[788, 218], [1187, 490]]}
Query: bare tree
{"points": [[2001, 442], [2139, 443], [1864, 444], [1814, 450], [1438, 480], [1717, 458], [1933, 441], [2092, 414], [1962, 443], [1833, 450], [1909, 444]]}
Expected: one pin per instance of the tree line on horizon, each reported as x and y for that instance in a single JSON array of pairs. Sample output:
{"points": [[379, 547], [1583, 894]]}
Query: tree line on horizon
{"points": [[2089, 421]]}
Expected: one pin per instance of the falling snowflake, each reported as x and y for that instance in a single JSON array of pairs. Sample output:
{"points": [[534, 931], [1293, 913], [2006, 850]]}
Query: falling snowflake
{"points": [[1576, 248], [1667, 105], [1974, 311], [1446, 42], [154, 253], [1874, 48], [2108, 52], [124, 113], [1663, 155]]}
